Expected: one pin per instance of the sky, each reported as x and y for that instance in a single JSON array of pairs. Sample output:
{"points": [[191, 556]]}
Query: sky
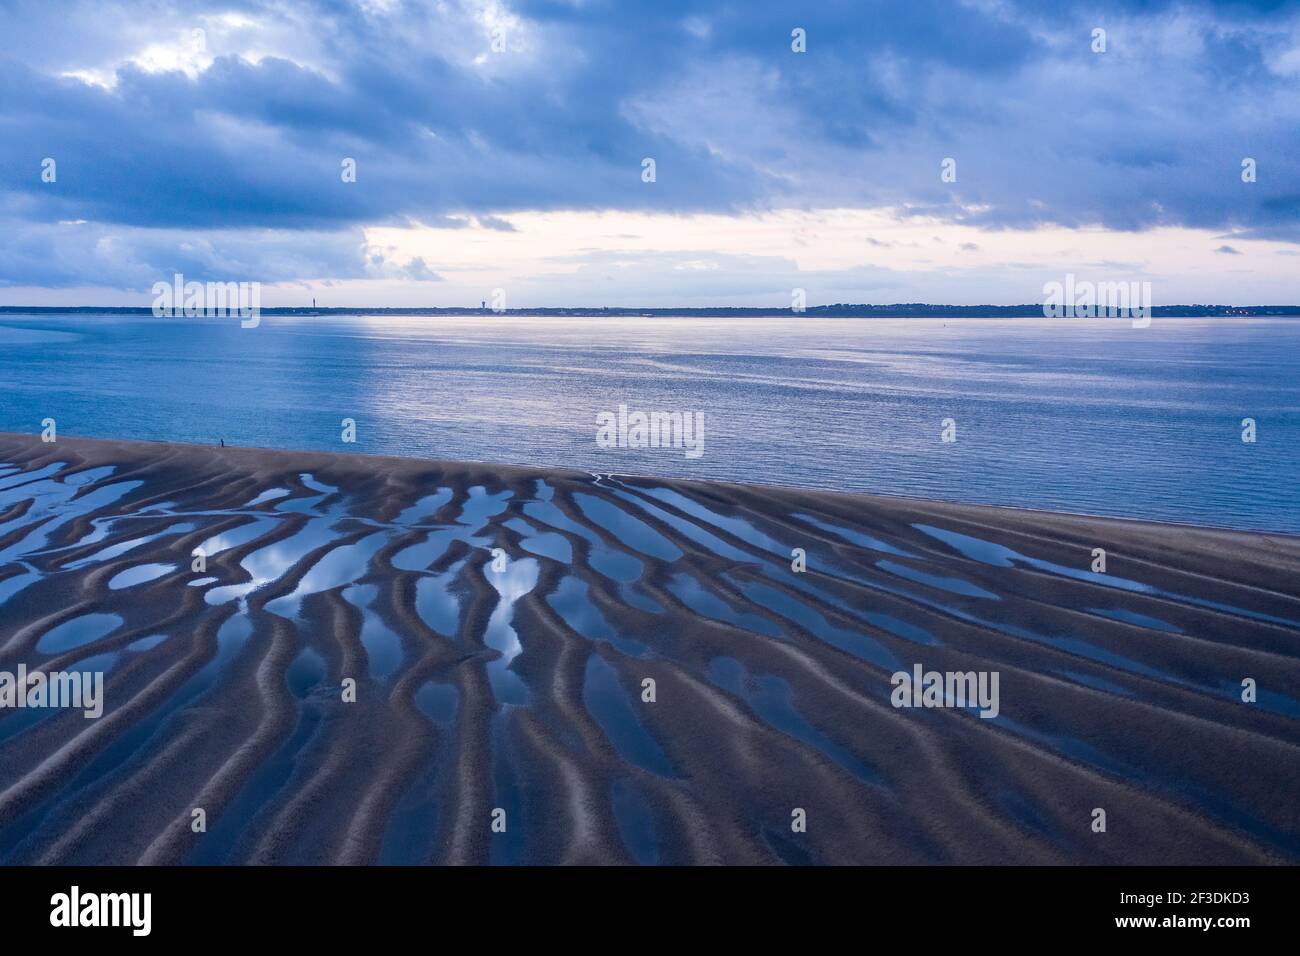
{"points": [[500, 150]]}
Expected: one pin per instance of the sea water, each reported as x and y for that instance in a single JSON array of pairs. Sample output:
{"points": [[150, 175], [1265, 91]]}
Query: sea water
{"points": [[1089, 416]]}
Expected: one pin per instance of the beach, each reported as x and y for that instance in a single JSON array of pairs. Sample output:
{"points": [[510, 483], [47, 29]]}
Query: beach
{"points": [[392, 660]]}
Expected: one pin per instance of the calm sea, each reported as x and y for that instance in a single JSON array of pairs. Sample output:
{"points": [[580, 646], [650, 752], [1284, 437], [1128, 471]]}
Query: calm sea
{"points": [[1078, 415]]}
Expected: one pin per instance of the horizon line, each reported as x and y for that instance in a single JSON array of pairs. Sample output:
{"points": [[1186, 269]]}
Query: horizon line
{"points": [[839, 309]]}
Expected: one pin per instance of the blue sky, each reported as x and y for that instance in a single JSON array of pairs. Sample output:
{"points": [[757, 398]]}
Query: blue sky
{"points": [[500, 146]]}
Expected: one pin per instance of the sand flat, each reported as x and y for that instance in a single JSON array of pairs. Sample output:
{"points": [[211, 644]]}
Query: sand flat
{"points": [[500, 624]]}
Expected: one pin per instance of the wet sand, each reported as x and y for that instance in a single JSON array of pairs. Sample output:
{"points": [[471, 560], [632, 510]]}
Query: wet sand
{"points": [[499, 624]]}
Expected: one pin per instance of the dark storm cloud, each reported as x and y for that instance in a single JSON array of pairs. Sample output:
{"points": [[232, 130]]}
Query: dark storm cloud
{"points": [[443, 130]]}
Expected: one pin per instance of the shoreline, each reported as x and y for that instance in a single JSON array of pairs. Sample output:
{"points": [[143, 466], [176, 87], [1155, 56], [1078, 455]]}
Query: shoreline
{"points": [[513, 467], [842, 311]]}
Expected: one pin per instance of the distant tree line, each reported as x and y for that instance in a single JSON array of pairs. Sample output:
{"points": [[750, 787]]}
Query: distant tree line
{"points": [[903, 310]]}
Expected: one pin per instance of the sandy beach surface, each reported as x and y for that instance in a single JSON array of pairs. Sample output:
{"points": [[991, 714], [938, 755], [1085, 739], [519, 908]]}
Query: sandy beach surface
{"points": [[551, 666]]}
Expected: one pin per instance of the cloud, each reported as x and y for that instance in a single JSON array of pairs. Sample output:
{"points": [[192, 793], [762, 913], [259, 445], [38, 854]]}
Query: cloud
{"points": [[238, 137], [1228, 250], [72, 254], [418, 271], [495, 222]]}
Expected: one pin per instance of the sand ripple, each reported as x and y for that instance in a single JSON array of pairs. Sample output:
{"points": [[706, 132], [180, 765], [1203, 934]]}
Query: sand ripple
{"points": [[503, 629]]}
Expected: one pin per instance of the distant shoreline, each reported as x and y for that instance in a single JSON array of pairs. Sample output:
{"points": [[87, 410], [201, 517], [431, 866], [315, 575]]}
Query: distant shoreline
{"points": [[916, 310]]}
